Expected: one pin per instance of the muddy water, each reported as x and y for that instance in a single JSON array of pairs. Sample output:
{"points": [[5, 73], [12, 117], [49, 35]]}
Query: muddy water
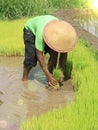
{"points": [[90, 24], [20, 100]]}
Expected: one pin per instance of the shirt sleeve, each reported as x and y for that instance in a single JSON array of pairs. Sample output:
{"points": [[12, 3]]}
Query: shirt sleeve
{"points": [[39, 42]]}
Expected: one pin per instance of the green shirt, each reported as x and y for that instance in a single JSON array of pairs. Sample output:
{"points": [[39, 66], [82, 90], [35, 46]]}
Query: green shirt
{"points": [[36, 25]]}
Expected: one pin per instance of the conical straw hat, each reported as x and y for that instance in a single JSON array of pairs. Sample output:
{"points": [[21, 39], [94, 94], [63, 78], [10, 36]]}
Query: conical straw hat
{"points": [[60, 36]]}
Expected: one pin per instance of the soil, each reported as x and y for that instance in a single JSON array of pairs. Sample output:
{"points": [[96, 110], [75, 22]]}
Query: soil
{"points": [[70, 15]]}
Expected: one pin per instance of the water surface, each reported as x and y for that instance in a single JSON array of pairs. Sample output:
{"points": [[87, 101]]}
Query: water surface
{"points": [[89, 23], [21, 100]]}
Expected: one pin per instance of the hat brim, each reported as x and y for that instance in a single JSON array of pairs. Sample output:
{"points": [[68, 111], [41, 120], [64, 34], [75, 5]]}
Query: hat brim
{"points": [[60, 36]]}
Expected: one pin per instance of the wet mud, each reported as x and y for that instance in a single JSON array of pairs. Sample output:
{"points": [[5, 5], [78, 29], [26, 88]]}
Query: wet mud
{"points": [[21, 100]]}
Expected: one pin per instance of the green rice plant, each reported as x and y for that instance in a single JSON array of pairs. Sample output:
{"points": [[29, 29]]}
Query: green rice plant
{"points": [[82, 114], [68, 69], [11, 37], [79, 3], [96, 54], [12, 9], [57, 74], [22, 8], [81, 62]]}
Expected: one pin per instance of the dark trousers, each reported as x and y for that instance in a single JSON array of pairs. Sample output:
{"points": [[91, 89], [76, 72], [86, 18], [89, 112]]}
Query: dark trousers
{"points": [[30, 51], [53, 59]]}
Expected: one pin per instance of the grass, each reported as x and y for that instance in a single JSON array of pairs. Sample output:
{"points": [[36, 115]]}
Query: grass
{"points": [[11, 37], [57, 74], [83, 113], [24, 8]]}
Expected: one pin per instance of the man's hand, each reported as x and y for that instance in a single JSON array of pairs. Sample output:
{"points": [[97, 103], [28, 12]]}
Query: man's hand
{"points": [[44, 67], [51, 80]]}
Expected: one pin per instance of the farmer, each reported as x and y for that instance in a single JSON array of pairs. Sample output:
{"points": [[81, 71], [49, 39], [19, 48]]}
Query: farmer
{"points": [[47, 34]]}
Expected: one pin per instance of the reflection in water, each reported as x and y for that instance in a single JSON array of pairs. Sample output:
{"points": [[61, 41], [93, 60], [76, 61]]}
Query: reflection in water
{"points": [[21, 100], [6, 125], [89, 23]]}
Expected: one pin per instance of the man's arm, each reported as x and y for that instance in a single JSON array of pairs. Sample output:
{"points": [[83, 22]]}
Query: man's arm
{"points": [[44, 67]]}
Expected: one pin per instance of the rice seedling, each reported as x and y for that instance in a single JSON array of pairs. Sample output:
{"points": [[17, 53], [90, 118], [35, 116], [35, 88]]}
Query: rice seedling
{"points": [[68, 69], [11, 37], [57, 74]]}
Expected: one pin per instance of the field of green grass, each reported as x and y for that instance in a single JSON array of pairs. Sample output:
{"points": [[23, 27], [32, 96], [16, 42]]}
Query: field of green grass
{"points": [[24, 8], [81, 114], [11, 37]]}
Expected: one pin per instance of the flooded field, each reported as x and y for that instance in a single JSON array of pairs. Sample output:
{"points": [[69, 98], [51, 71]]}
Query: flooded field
{"points": [[89, 23], [21, 100]]}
